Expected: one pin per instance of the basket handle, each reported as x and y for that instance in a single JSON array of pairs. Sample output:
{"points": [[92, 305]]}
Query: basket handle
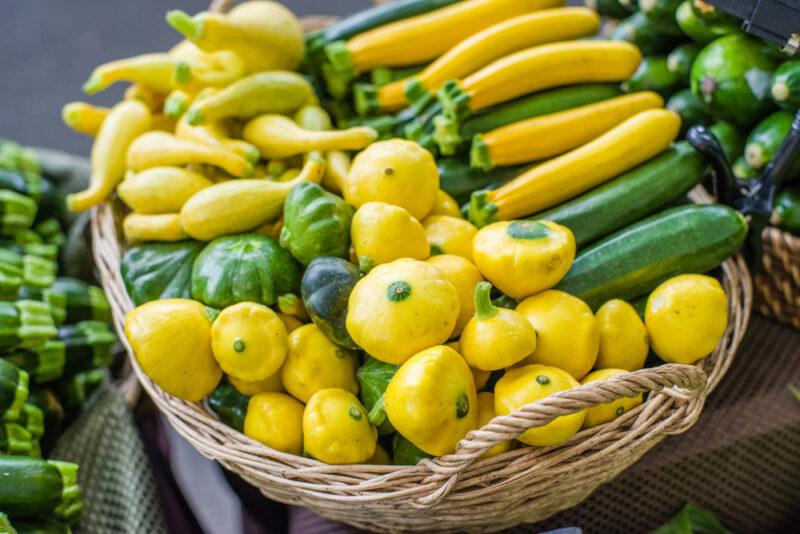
{"points": [[447, 469]]}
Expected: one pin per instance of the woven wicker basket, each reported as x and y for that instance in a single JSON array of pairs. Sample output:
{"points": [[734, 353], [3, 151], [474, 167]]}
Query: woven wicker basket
{"points": [[459, 491], [778, 283]]}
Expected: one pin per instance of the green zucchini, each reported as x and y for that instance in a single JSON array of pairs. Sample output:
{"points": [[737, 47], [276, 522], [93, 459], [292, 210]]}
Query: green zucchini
{"points": [[230, 405], [34, 487], [786, 213], [661, 13], [28, 184], [742, 170], [385, 75], [53, 412], [56, 300], [88, 345], [449, 139], [730, 137], [422, 127], [693, 26], [25, 323], [633, 261], [459, 180], [73, 391], [32, 418], [766, 138], [41, 525], [631, 196], [16, 439], [28, 242], [653, 75], [374, 377], [732, 77], [17, 212], [406, 453], [685, 104], [43, 363], [17, 269], [719, 22], [5, 525], [786, 85], [680, 60], [13, 390], [609, 8], [639, 30], [50, 231], [85, 302], [18, 158]]}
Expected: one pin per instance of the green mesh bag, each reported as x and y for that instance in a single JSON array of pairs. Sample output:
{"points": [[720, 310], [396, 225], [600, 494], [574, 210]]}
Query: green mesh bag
{"points": [[119, 491]]}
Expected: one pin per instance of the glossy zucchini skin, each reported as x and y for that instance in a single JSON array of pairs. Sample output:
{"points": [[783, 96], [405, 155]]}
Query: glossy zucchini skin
{"points": [[633, 261], [786, 85], [653, 75], [459, 180], [685, 104], [730, 137], [639, 30], [786, 213], [31, 487], [631, 196]]}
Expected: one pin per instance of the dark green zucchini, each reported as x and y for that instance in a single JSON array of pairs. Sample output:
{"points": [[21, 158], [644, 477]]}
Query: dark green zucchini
{"points": [[53, 413], [88, 345], [786, 85], [661, 14], [450, 139], [631, 196], [84, 302], [17, 212], [459, 180], [786, 213], [718, 21], [680, 60], [325, 289], [56, 300], [633, 261], [639, 30], [34, 487], [766, 138], [13, 390], [32, 418], [50, 231], [730, 137], [691, 110], [17, 269], [693, 26], [43, 363], [374, 377], [609, 8], [742, 170], [16, 439], [230, 405], [155, 271], [5, 525], [653, 75], [25, 323], [384, 75], [41, 526], [73, 391]]}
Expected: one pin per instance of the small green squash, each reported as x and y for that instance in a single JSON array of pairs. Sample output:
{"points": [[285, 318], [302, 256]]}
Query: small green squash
{"points": [[243, 268], [326, 287], [229, 405], [373, 378], [315, 223], [154, 271]]}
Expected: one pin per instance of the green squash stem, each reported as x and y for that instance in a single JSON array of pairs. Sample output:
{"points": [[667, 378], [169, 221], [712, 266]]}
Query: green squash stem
{"points": [[484, 309]]}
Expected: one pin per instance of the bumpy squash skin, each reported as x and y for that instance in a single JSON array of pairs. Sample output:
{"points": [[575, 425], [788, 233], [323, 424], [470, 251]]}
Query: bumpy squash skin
{"points": [[315, 223], [153, 271], [325, 288], [247, 267]]}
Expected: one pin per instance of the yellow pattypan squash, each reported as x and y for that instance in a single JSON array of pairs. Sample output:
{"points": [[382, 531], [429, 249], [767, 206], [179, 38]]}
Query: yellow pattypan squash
{"points": [[445, 205], [400, 308], [271, 383], [171, 340], [382, 233], [336, 429], [449, 235], [464, 276], [276, 420], [623, 337], [522, 258], [603, 413], [431, 400]]}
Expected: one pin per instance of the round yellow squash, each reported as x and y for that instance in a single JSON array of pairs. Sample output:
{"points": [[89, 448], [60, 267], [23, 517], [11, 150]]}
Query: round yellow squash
{"points": [[531, 383], [401, 308], [485, 414], [464, 276], [396, 172], [315, 362], [623, 338], [336, 428], [445, 205], [276, 420], [606, 412], [450, 235], [382, 233], [171, 340], [431, 400], [567, 333], [686, 317], [272, 383], [522, 258], [249, 341]]}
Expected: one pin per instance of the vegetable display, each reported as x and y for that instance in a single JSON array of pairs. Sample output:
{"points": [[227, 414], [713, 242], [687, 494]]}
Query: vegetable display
{"points": [[352, 240]]}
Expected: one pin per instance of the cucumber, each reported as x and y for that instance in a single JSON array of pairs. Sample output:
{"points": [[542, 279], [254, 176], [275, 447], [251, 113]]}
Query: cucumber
{"points": [[685, 104], [609, 8], [43, 363], [636, 259], [34, 487], [732, 77], [680, 60], [653, 75], [13, 390], [766, 138], [230, 405], [661, 14], [638, 29], [41, 526], [631, 196], [535, 105], [785, 88], [693, 26], [84, 301], [742, 170], [786, 213], [459, 180], [730, 137]]}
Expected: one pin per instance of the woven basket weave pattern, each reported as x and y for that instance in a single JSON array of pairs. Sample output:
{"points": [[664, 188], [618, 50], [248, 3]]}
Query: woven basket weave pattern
{"points": [[778, 283]]}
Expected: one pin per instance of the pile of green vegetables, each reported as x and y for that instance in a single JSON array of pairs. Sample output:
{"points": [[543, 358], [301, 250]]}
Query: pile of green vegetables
{"points": [[55, 344], [712, 73]]}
